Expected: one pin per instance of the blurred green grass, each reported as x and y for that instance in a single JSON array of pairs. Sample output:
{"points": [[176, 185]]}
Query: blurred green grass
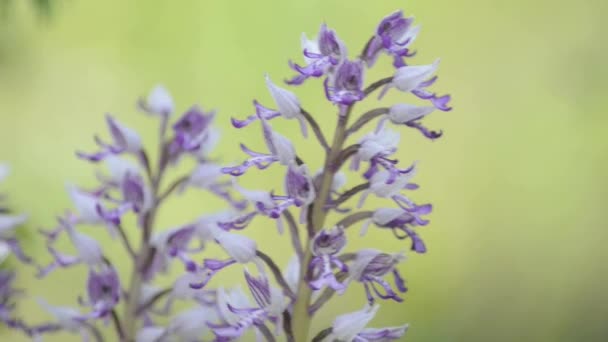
{"points": [[516, 243]]}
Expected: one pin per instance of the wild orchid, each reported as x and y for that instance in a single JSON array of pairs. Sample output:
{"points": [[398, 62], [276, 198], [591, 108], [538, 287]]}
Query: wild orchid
{"points": [[278, 303], [320, 265]]}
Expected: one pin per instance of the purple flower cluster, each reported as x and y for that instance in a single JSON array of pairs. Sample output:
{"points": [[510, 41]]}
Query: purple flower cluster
{"points": [[132, 184], [321, 267], [278, 303]]}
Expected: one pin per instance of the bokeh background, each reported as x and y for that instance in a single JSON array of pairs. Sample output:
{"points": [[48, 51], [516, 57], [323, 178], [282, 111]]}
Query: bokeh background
{"points": [[517, 243]]}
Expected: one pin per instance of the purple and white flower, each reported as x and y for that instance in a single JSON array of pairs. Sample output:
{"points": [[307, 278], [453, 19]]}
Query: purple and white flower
{"points": [[394, 35], [238, 319], [326, 245], [321, 55], [410, 115], [208, 176], [320, 266], [88, 250], [191, 132], [158, 102], [281, 150], [345, 86], [376, 148], [352, 327], [288, 107], [174, 243], [370, 267], [241, 249], [383, 184], [403, 221], [416, 79], [103, 291], [124, 140]]}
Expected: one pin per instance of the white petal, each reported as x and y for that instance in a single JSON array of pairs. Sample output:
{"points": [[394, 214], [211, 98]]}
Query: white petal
{"points": [[207, 226], [286, 101], [378, 143], [8, 223], [65, 316], [339, 181], [85, 204], [403, 112], [383, 216], [131, 137], [381, 189], [147, 292], [284, 148], [181, 287], [278, 302], [4, 251], [310, 46], [211, 138], [347, 326], [410, 35], [189, 325], [236, 298], [150, 334], [88, 248], [118, 167], [254, 196], [205, 175], [159, 101], [239, 247], [408, 78], [292, 273]]}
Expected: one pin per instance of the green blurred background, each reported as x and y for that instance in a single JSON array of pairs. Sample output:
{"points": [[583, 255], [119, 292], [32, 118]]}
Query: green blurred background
{"points": [[517, 240]]}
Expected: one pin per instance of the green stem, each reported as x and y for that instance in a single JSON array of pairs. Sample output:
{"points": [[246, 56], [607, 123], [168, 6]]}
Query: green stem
{"points": [[136, 282], [301, 317], [146, 251]]}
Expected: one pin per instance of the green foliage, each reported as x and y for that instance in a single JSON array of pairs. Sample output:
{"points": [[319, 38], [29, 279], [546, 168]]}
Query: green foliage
{"points": [[42, 7]]}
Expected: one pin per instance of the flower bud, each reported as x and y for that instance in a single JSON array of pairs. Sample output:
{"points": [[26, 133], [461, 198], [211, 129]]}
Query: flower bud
{"points": [[124, 137], [408, 78], [159, 101], [239, 247], [286, 101], [346, 327], [402, 113]]}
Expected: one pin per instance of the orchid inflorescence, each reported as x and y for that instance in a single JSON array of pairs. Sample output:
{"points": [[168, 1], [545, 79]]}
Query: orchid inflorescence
{"points": [[282, 302]]}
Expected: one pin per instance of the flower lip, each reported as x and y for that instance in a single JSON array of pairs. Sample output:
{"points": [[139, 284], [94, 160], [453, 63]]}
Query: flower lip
{"points": [[190, 129], [329, 241], [347, 83], [299, 184]]}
